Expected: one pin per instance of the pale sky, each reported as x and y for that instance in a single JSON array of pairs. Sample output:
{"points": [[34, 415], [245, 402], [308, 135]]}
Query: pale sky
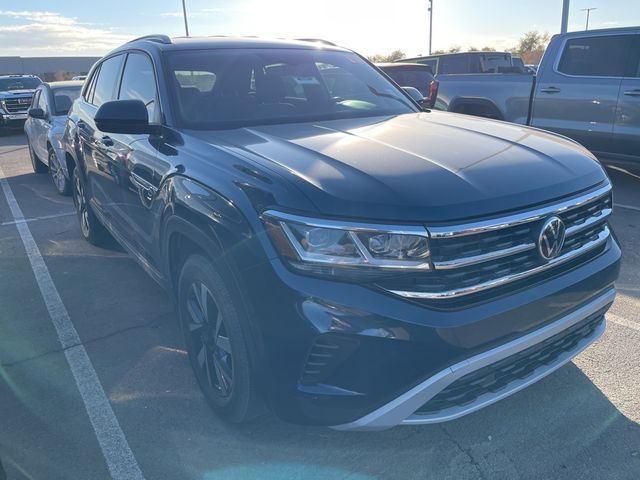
{"points": [[86, 27]]}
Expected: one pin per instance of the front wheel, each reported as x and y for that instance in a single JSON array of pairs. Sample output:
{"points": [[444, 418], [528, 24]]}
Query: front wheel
{"points": [[58, 177], [216, 342], [90, 227]]}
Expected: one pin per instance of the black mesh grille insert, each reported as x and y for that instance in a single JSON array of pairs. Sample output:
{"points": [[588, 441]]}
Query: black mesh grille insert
{"points": [[497, 376]]}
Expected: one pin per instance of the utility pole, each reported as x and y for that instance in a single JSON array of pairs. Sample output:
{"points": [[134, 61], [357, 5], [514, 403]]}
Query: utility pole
{"points": [[184, 12], [588, 10], [430, 24], [565, 16]]}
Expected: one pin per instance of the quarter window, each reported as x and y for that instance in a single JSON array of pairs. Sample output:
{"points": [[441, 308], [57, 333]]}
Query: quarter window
{"points": [[139, 83], [42, 101], [603, 56], [105, 89], [35, 99]]}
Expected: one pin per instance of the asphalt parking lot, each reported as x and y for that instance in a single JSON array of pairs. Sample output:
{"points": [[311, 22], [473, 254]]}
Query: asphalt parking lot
{"points": [[582, 422]]}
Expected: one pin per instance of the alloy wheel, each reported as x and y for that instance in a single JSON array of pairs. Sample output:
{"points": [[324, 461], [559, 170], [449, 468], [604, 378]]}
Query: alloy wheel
{"points": [[57, 175], [210, 339]]}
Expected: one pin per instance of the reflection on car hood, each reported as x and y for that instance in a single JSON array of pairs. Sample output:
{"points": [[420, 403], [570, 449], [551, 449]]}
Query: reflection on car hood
{"points": [[418, 167]]}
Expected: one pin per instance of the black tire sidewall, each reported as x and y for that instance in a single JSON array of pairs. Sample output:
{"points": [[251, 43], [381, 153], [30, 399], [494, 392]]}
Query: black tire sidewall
{"points": [[237, 407], [36, 163], [96, 232]]}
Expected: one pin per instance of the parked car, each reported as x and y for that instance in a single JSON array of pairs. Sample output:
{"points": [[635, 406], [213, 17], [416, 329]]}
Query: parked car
{"points": [[44, 128], [414, 75], [80, 77], [16, 92], [341, 255], [466, 63], [531, 68], [587, 88]]}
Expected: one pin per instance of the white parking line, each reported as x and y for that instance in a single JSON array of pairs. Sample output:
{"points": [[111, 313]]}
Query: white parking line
{"points": [[35, 219], [120, 460], [628, 207], [623, 321]]}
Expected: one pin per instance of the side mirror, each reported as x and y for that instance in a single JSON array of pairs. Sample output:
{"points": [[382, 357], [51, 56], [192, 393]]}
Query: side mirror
{"points": [[37, 113], [124, 116], [415, 94]]}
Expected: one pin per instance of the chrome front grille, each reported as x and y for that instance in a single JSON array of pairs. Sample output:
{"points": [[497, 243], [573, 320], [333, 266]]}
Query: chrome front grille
{"points": [[17, 105], [476, 257]]}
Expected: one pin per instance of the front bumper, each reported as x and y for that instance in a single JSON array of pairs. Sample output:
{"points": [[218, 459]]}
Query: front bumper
{"points": [[406, 408], [12, 120], [393, 355]]}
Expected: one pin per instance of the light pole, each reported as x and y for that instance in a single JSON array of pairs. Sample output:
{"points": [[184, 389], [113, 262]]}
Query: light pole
{"points": [[430, 24], [588, 10], [565, 16], [184, 12]]}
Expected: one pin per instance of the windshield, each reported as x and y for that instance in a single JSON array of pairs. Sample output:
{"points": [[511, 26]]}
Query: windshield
{"points": [[19, 83], [416, 77], [63, 98], [236, 88]]}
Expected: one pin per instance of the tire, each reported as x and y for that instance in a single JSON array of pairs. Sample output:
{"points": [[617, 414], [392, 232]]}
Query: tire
{"points": [[90, 227], [58, 177], [36, 163], [213, 326]]}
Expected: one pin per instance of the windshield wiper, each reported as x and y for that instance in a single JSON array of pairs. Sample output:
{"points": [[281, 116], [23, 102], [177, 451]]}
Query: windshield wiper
{"points": [[385, 95]]}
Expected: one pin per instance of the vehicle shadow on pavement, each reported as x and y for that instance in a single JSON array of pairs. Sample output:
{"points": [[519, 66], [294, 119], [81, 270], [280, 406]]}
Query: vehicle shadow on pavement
{"points": [[562, 427]]}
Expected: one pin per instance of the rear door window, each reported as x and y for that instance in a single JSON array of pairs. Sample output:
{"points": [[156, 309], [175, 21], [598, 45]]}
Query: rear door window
{"points": [[108, 78], [602, 56], [454, 64]]}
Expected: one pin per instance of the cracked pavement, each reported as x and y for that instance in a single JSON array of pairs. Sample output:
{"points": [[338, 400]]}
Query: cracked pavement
{"points": [[580, 422]]}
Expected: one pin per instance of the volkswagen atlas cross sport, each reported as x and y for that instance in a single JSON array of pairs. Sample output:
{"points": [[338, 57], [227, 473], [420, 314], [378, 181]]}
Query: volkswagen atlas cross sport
{"points": [[334, 251]]}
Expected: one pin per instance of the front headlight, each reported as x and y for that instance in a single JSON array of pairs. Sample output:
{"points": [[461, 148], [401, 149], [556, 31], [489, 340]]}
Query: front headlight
{"points": [[326, 246]]}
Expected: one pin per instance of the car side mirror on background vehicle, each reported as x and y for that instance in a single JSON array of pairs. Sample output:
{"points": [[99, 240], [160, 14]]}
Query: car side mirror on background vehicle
{"points": [[37, 113], [415, 94], [124, 116]]}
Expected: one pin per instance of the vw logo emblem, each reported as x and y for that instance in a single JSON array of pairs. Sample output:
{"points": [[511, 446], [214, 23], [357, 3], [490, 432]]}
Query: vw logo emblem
{"points": [[551, 238]]}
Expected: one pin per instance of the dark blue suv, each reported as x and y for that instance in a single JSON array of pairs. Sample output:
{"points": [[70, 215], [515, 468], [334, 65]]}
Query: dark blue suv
{"points": [[335, 251]]}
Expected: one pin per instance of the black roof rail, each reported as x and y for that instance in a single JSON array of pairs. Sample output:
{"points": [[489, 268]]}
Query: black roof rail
{"points": [[158, 38], [317, 40]]}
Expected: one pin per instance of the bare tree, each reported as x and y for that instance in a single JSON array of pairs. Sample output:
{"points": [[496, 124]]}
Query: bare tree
{"points": [[392, 57]]}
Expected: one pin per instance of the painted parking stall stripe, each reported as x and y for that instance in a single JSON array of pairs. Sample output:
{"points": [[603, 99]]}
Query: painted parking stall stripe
{"points": [[113, 443]]}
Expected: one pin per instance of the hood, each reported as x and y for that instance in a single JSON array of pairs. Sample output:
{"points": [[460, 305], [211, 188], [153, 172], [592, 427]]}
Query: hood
{"points": [[16, 93], [431, 166]]}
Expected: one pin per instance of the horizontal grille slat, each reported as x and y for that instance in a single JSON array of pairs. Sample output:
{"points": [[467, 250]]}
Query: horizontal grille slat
{"points": [[17, 105]]}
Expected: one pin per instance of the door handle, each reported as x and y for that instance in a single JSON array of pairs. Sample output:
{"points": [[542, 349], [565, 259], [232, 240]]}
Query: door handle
{"points": [[633, 93], [550, 90], [148, 189]]}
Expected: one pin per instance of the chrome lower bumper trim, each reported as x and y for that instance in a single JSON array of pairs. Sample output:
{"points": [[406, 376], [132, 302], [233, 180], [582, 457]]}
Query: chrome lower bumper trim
{"points": [[402, 409]]}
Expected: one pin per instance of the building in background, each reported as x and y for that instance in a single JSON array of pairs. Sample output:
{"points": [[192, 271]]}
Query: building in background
{"points": [[48, 69]]}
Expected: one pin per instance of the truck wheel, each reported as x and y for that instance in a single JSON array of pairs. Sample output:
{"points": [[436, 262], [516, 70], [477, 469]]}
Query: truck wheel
{"points": [[212, 323], [59, 179], [36, 163], [90, 227]]}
